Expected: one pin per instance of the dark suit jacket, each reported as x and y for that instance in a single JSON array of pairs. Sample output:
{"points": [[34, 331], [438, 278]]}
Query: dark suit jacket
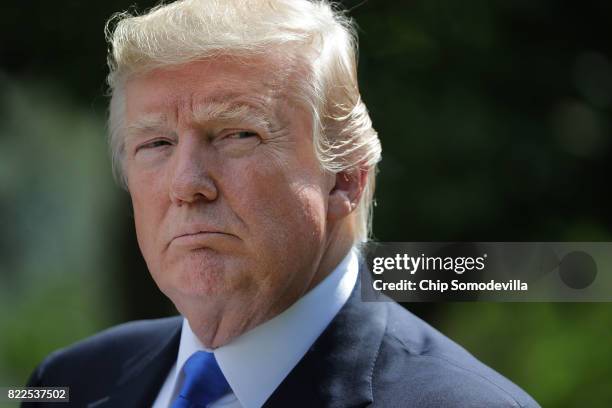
{"points": [[372, 354]]}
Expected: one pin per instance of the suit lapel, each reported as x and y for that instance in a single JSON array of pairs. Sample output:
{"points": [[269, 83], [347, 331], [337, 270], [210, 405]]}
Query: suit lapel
{"points": [[143, 374], [337, 369]]}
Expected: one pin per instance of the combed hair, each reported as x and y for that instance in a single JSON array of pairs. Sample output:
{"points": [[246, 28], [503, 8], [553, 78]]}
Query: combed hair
{"points": [[316, 33]]}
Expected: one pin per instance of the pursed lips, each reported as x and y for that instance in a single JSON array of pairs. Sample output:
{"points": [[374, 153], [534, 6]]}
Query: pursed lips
{"points": [[192, 235]]}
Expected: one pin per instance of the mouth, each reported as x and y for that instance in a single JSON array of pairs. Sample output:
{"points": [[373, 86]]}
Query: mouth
{"points": [[199, 238]]}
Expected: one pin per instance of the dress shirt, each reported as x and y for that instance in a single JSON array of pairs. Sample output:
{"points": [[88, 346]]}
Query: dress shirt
{"points": [[256, 363]]}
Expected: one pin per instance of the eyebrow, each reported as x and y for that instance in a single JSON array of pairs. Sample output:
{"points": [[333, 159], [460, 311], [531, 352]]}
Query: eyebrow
{"points": [[232, 111], [148, 123], [215, 111]]}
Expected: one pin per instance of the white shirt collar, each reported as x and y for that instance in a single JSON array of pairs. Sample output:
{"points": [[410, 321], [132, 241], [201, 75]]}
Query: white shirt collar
{"points": [[255, 363]]}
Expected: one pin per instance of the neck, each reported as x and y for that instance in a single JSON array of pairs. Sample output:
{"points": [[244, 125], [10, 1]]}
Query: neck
{"points": [[338, 245], [216, 326]]}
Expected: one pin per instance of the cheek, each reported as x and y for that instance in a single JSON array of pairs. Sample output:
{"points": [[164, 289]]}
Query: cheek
{"points": [[282, 196], [282, 211], [311, 209], [148, 207]]}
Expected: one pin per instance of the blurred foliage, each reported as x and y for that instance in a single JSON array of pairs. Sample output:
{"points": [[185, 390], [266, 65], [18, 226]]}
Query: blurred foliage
{"points": [[55, 194], [495, 123]]}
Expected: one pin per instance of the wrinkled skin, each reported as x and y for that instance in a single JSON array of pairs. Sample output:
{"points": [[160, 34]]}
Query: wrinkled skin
{"points": [[234, 215]]}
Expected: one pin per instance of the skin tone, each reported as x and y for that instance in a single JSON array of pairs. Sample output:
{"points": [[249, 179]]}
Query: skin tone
{"points": [[234, 215]]}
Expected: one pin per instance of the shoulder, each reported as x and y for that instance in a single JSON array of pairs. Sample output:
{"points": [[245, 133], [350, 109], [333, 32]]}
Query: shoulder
{"points": [[420, 366], [105, 352]]}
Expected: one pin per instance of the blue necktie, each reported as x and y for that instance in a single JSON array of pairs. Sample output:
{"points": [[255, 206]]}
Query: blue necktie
{"points": [[204, 382]]}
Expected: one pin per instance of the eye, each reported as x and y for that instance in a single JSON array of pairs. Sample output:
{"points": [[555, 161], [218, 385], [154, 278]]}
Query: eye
{"points": [[154, 144], [237, 141], [243, 134]]}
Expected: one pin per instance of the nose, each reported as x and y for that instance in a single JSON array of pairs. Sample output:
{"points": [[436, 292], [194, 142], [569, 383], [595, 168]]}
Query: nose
{"points": [[191, 179]]}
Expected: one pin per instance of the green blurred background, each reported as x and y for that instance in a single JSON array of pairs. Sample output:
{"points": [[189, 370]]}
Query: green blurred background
{"points": [[495, 122]]}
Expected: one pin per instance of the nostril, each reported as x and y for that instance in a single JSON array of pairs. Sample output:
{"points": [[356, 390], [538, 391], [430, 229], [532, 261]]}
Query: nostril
{"points": [[192, 188]]}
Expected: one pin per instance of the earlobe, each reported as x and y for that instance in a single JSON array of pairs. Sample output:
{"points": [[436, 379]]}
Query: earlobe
{"points": [[346, 192]]}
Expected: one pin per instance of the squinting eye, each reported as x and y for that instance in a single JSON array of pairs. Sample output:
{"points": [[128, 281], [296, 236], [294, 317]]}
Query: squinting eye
{"points": [[155, 143], [242, 135]]}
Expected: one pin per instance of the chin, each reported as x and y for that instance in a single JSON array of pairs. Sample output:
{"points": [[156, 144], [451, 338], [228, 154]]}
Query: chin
{"points": [[194, 276], [202, 281]]}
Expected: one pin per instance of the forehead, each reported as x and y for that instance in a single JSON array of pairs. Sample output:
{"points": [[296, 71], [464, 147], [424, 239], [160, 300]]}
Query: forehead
{"points": [[199, 86]]}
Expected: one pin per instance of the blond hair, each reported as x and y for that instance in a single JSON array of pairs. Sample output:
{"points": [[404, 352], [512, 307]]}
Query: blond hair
{"points": [[315, 31]]}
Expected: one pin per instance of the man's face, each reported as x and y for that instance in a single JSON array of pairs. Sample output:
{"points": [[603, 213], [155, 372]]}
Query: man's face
{"points": [[230, 202]]}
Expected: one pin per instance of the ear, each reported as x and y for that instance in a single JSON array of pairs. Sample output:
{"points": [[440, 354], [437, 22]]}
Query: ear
{"points": [[346, 192]]}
